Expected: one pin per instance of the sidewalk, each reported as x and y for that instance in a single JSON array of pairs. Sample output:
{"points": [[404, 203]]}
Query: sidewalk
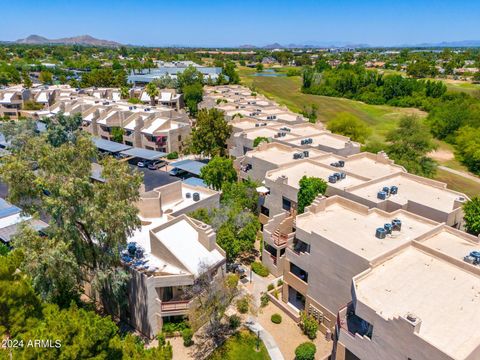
{"points": [[268, 340]]}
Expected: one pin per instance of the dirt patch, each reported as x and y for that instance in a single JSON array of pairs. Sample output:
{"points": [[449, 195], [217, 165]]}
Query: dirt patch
{"points": [[442, 155]]}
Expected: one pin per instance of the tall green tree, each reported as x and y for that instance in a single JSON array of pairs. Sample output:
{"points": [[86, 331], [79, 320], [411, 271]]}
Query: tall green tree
{"points": [[45, 77], [310, 188], [18, 301], [152, 91], [218, 172], [210, 133], [124, 92], [468, 147], [27, 82], [409, 145], [89, 221], [193, 95], [471, 210]]}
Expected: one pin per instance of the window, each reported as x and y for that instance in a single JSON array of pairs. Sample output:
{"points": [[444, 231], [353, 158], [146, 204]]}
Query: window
{"points": [[286, 204], [300, 247], [129, 143], [299, 272], [179, 137], [148, 147], [265, 211]]}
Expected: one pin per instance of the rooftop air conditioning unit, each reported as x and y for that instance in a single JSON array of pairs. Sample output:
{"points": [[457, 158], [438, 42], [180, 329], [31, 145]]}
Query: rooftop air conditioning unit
{"points": [[341, 163], [332, 179], [196, 196], [188, 195], [393, 190], [386, 190], [257, 125], [382, 195], [380, 233], [396, 224], [306, 153], [388, 228]]}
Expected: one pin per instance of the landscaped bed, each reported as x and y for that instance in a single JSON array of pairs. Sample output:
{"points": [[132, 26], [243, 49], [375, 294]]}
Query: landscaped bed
{"points": [[243, 346]]}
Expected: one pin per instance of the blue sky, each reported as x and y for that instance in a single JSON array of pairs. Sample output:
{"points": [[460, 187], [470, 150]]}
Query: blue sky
{"points": [[232, 23]]}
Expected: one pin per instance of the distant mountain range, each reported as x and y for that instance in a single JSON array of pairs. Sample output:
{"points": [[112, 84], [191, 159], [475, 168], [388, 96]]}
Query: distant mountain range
{"points": [[75, 40], [463, 43], [312, 45]]}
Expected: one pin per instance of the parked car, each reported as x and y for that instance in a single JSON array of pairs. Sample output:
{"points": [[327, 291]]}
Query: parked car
{"points": [[143, 163], [157, 164], [177, 172], [237, 269]]}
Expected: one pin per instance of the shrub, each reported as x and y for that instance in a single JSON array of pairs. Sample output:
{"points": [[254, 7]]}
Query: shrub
{"points": [[270, 287], [242, 305], [275, 293], [134, 101], [309, 325], [279, 282], [305, 351], [234, 322], [187, 335], [276, 318], [161, 339], [172, 155], [264, 299], [170, 327], [260, 269]]}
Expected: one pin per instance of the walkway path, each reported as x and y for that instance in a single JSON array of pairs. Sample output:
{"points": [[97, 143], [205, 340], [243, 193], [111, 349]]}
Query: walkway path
{"points": [[461, 173], [268, 340]]}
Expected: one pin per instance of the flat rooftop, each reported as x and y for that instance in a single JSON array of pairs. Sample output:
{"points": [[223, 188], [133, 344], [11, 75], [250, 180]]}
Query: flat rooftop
{"points": [[363, 164], [279, 154], [265, 132], [411, 188], [444, 297], [325, 139], [354, 229], [453, 243], [295, 172], [184, 202]]}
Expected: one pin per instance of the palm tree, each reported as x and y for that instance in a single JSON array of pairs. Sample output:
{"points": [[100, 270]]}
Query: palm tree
{"points": [[152, 91], [124, 92]]}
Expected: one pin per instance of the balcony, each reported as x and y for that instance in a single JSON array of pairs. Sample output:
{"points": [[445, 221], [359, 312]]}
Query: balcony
{"points": [[174, 306], [352, 324], [299, 247], [299, 272]]}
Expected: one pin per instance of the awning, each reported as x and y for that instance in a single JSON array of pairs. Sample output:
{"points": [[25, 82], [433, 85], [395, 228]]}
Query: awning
{"points": [[262, 190], [190, 166], [110, 146], [144, 153]]}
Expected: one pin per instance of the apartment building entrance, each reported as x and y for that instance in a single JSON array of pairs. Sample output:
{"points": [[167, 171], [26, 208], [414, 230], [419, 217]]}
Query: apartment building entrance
{"points": [[296, 299]]}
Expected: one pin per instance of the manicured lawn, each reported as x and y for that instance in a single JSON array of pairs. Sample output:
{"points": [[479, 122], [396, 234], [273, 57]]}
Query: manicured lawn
{"points": [[381, 118], [286, 91], [242, 345], [459, 183]]}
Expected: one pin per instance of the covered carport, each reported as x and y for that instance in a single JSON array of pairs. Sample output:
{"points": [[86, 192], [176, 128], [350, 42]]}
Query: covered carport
{"points": [[192, 167], [109, 146], [143, 154]]}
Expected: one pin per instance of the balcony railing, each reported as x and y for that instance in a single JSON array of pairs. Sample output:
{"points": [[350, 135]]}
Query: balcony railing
{"points": [[353, 324], [174, 305]]}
